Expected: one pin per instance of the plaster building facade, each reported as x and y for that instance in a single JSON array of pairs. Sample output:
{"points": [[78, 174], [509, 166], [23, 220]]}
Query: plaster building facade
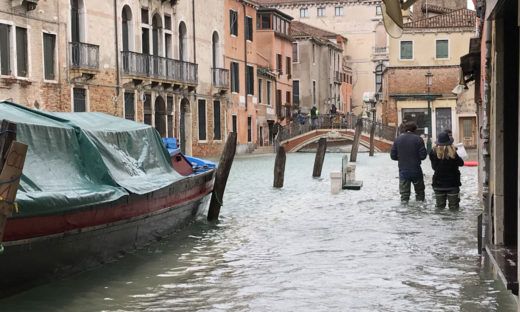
{"points": [[358, 21], [144, 66], [241, 61], [318, 74], [432, 45]]}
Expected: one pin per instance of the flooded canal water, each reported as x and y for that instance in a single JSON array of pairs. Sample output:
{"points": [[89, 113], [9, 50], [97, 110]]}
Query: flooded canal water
{"points": [[300, 248]]}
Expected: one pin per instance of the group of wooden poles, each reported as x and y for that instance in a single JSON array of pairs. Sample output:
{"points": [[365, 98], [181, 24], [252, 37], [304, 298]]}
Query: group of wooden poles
{"points": [[228, 154]]}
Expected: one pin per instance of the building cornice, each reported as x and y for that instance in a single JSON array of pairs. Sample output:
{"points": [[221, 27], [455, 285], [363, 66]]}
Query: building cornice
{"points": [[308, 4]]}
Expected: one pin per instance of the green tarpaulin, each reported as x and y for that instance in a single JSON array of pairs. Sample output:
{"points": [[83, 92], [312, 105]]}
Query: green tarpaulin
{"points": [[79, 159]]}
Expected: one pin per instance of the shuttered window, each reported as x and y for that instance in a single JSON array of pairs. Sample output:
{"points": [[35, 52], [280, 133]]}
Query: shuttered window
{"points": [[250, 82], [79, 100], [5, 68], [129, 106], [21, 52], [406, 50], [249, 28], [234, 77], [202, 120], [216, 121], [233, 22], [441, 49], [49, 45]]}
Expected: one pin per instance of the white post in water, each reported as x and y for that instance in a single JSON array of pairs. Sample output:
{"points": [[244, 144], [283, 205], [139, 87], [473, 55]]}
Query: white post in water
{"points": [[351, 173], [335, 182]]}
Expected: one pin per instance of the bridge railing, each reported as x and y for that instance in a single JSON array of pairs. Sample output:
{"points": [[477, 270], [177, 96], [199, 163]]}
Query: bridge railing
{"points": [[336, 121]]}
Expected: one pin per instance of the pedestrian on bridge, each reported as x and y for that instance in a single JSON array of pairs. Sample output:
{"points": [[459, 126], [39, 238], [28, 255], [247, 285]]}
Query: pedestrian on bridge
{"points": [[408, 149], [446, 177], [314, 117]]}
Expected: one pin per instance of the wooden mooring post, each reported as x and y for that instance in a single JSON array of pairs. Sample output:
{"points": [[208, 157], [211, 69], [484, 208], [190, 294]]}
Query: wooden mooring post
{"points": [[279, 167], [355, 144], [372, 134], [221, 176], [12, 158], [320, 156]]}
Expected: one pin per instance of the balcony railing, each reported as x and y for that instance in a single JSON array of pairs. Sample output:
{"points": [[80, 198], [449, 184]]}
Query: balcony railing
{"points": [[83, 55], [220, 78], [380, 50], [159, 67]]}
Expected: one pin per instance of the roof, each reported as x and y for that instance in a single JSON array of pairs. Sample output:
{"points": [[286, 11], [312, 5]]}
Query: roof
{"points": [[462, 18], [299, 29], [276, 2]]}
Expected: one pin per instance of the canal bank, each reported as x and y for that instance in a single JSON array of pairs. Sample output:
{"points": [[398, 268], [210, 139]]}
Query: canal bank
{"points": [[300, 249]]}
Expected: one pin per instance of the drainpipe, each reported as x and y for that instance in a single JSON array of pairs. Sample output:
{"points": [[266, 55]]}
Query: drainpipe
{"points": [[245, 48], [117, 53], [194, 41]]}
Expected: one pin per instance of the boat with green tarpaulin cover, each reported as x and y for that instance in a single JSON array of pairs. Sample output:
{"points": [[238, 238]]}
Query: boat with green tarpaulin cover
{"points": [[93, 187]]}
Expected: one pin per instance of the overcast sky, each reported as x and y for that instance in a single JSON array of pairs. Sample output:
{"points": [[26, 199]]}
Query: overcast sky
{"points": [[470, 5]]}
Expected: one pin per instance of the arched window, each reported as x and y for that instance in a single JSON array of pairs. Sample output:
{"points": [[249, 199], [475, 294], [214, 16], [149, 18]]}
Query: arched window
{"points": [[127, 28], [215, 42], [156, 34], [379, 78], [183, 44]]}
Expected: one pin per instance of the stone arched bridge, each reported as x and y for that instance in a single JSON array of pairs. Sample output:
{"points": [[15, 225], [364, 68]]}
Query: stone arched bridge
{"points": [[337, 129], [298, 142]]}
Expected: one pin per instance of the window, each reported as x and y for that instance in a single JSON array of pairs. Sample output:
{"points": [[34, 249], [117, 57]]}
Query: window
{"points": [[296, 92], [467, 128], [378, 10], [279, 64], [202, 119], [268, 92], [419, 115], [313, 53], [147, 109], [144, 16], [379, 78], [5, 48], [129, 106], [145, 40], [79, 95], [288, 97], [260, 90], [250, 80], [168, 22], [295, 52], [338, 11], [278, 104], [314, 92], [249, 120], [169, 115], [216, 120], [233, 22], [288, 65], [321, 11], [406, 50], [234, 77], [304, 12], [249, 28], [21, 52], [442, 49], [49, 42], [234, 123], [264, 21]]}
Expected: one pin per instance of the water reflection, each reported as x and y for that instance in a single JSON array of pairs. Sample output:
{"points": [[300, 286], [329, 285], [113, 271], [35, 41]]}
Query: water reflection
{"points": [[299, 249]]}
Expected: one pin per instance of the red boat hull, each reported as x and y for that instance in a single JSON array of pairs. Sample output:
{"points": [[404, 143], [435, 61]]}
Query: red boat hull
{"points": [[69, 243]]}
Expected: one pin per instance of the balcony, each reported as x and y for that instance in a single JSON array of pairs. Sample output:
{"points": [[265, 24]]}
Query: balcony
{"points": [[83, 56], [337, 77], [145, 65], [380, 53], [220, 78]]}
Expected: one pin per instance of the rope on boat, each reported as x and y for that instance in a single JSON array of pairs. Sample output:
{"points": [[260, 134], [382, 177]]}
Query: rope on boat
{"points": [[218, 200], [5, 131], [11, 180], [14, 204]]}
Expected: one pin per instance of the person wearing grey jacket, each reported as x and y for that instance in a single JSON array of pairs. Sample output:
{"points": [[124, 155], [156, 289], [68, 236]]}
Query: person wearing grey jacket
{"points": [[408, 149]]}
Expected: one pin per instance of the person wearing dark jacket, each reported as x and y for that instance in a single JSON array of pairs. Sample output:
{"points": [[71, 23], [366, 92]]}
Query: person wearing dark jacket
{"points": [[446, 176], [408, 149]]}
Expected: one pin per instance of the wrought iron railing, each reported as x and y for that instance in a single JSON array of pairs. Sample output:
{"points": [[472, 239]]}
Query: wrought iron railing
{"points": [[220, 77], [158, 67], [83, 55], [337, 121]]}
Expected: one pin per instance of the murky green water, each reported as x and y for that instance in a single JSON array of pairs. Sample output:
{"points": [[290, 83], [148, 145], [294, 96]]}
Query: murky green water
{"points": [[299, 249]]}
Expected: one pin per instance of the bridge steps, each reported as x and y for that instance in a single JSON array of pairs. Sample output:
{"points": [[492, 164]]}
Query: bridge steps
{"points": [[264, 150]]}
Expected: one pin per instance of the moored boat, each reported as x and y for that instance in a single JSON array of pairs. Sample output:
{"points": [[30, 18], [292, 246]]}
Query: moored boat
{"points": [[94, 186]]}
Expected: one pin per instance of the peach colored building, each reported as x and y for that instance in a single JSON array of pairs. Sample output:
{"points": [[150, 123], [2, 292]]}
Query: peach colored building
{"points": [[274, 50], [241, 60]]}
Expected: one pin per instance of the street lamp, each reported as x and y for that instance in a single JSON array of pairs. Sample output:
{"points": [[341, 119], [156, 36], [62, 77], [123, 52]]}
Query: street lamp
{"points": [[429, 78]]}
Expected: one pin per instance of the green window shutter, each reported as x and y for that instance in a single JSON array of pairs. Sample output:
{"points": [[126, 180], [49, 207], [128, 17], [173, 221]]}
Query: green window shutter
{"points": [[406, 50], [441, 49]]}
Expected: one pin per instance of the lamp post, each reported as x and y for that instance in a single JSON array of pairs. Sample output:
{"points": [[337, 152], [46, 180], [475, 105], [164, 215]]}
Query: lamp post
{"points": [[429, 78]]}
